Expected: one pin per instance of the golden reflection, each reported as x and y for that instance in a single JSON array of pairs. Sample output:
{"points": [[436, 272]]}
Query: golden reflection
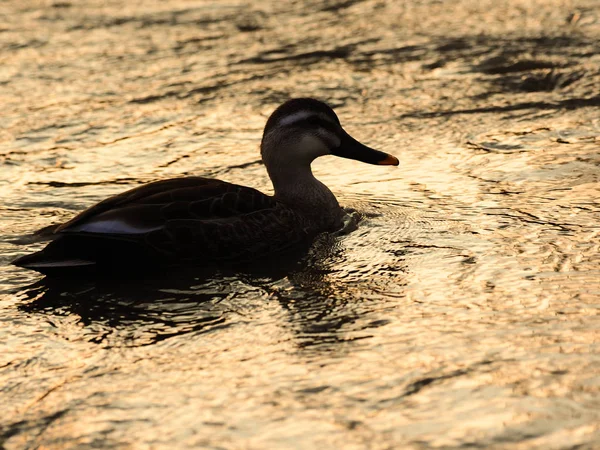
{"points": [[461, 313]]}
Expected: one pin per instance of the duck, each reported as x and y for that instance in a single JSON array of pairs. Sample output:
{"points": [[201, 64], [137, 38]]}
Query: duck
{"points": [[197, 220]]}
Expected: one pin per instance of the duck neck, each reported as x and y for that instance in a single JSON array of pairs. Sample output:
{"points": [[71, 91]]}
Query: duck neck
{"points": [[297, 188]]}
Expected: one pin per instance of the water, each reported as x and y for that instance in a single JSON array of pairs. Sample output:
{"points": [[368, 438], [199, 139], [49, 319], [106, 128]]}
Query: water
{"points": [[462, 313]]}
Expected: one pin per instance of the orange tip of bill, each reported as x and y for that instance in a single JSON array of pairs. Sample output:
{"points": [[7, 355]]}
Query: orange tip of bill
{"points": [[389, 161]]}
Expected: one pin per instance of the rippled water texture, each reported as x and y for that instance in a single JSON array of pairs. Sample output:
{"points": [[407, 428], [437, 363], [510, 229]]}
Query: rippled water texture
{"points": [[462, 313]]}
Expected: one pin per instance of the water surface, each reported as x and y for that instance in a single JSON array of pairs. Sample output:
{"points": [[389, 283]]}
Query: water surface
{"points": [[464, 311]]}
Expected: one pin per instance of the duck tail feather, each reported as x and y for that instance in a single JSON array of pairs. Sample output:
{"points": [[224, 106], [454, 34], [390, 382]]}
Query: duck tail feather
{"points": [[49, 264]]}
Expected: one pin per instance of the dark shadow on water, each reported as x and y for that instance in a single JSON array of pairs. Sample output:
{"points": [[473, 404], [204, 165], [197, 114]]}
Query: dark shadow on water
{"points": [[148, 309], [319, 312], [322, 315], [324, 308], [570, 103], [162, 307]]}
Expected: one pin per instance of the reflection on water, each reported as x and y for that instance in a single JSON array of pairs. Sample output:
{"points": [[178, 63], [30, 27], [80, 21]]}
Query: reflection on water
{"points": [[463, 312], [147, 314]]}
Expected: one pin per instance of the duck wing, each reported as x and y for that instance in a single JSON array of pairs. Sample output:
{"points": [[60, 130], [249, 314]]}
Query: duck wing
{"points": [[150, 206], [181, 220]]}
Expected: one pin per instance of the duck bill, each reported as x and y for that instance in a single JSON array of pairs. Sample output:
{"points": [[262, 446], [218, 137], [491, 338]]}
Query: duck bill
{"points": [[352, 149]]}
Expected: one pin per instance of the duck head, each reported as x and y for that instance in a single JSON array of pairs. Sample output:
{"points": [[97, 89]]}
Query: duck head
{"points": [[303, 129]]}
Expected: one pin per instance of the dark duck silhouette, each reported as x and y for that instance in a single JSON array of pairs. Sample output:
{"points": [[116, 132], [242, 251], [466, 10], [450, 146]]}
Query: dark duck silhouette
{"points": [[196, 220]]}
